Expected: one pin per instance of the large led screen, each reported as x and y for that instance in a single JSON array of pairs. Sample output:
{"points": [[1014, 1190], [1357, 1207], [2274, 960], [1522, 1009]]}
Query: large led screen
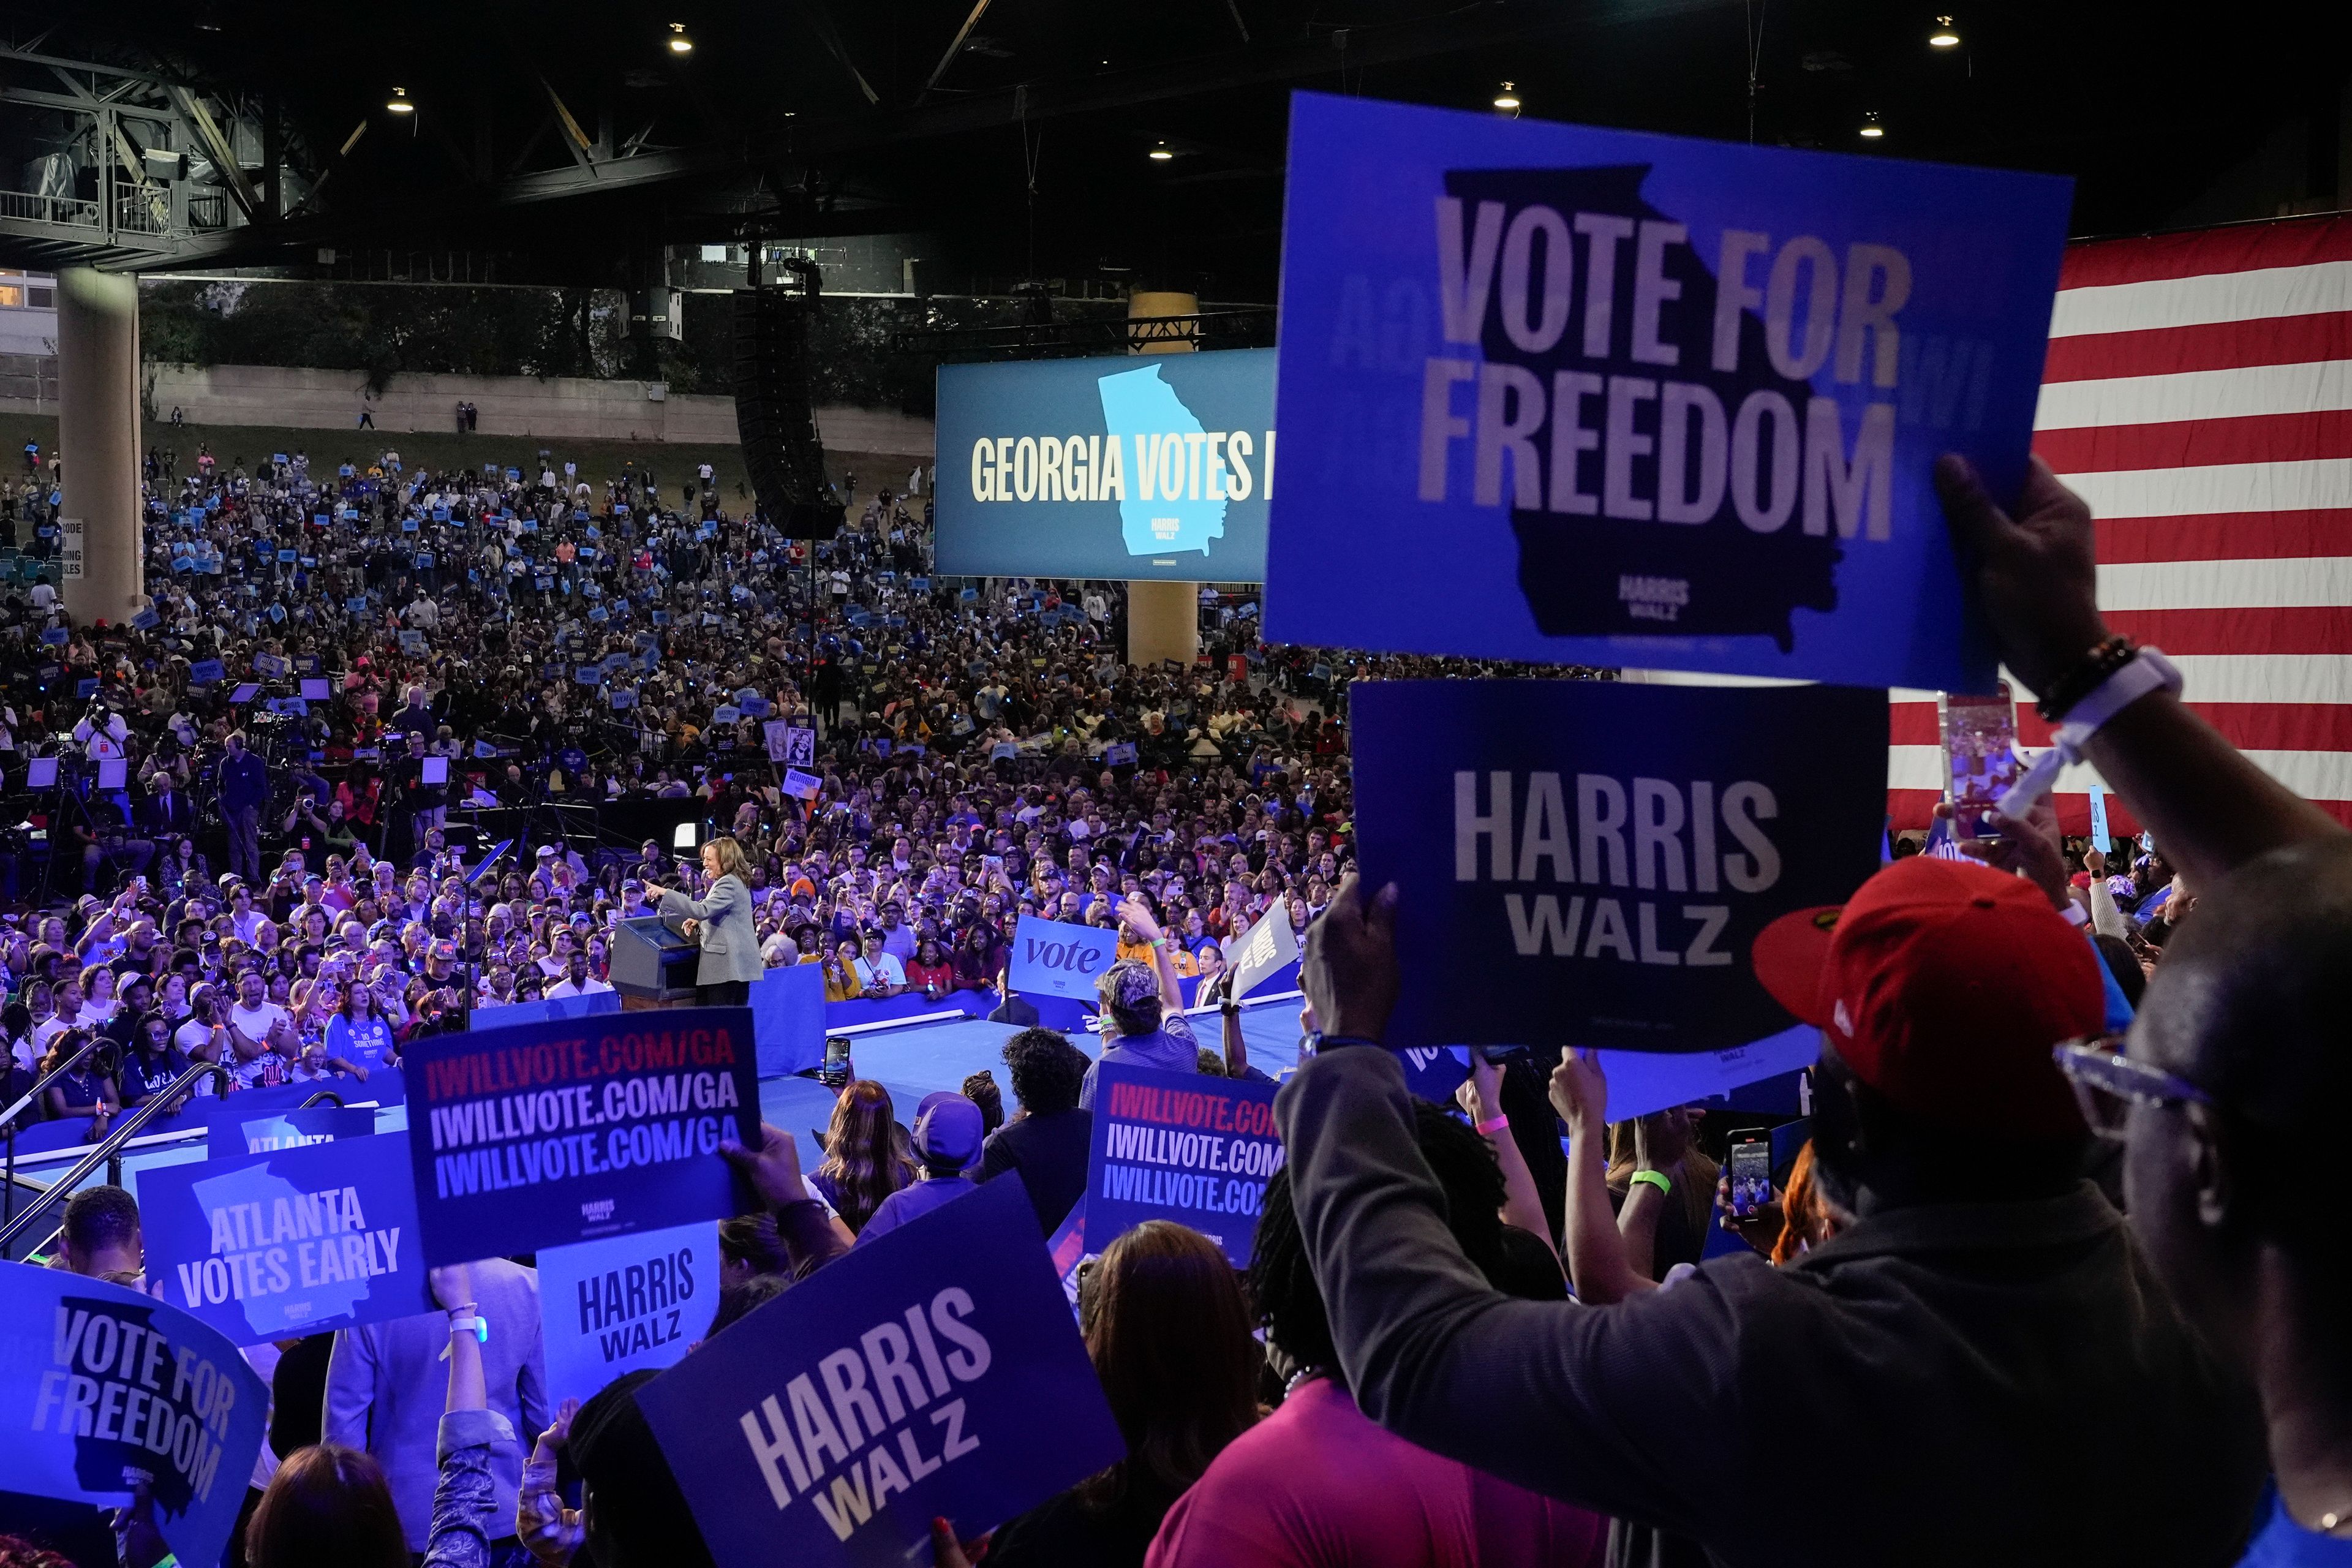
{"points": [[1145, 466]]}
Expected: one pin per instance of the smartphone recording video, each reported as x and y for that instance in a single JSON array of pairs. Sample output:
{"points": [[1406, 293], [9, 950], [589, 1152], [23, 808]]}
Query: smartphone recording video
{"points": [[1980, 759], [1751, 1173]]}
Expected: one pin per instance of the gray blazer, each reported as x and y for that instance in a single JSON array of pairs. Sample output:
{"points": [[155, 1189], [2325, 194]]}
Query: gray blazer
{"points": [[730, 943], [386, 1385]]}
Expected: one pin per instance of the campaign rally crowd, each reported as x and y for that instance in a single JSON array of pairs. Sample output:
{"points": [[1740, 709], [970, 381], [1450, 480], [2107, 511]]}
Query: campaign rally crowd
{"points": [[2022, 1298]]}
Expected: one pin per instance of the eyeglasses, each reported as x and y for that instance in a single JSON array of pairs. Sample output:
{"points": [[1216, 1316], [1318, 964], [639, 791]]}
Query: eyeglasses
{"points": [[2108, 1084]]}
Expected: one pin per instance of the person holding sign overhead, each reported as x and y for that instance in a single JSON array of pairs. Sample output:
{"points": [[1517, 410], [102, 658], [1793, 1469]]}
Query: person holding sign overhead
{"points": [[721, 923], [1144, 1008]]}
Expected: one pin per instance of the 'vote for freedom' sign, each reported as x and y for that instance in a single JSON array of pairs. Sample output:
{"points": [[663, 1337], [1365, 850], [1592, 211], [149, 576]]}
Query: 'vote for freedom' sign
{"points": [[1588, 863], [615, 1306], [544, 1134], [1061, 960], [289, 1241], [98, 1382], [935, 1373], [1171, 1145], [1593, 396]]}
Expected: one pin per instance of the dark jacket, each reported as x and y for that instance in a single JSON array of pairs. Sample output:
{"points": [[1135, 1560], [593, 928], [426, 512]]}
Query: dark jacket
{"points": [[1050, 1151], [1976, 1383], [1013, 1010]]}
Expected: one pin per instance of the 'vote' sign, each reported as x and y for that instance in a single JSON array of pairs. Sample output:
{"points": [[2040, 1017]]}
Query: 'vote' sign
{"points": [[1061, 960]]}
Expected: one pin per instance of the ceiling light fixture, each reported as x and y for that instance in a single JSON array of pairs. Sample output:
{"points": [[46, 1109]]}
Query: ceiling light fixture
{"points": [[1944, 37], [679, 43], [399, 103], [1871, 128], [1160, 153], [1507, 101]]}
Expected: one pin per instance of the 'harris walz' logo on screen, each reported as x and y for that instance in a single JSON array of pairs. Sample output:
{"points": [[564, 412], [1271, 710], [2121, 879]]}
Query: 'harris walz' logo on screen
{"points": [[1670, 469]]}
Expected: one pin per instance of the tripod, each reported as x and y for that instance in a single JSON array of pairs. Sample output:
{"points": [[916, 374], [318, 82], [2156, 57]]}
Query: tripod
{"points": [[69, 808]]}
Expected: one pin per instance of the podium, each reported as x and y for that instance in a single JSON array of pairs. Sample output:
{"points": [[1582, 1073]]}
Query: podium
{"points": [[653, 966]]}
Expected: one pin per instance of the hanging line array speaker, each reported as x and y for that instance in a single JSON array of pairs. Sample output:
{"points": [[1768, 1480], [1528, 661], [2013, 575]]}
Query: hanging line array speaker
{"points": [[774, 412]]}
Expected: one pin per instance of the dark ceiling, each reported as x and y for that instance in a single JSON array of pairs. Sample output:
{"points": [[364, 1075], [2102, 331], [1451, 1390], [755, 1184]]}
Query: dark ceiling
{"points": [[1024, 150]]}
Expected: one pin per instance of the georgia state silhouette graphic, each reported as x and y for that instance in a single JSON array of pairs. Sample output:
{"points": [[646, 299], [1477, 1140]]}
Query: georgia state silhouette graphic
{"points": [[1590, 575]]}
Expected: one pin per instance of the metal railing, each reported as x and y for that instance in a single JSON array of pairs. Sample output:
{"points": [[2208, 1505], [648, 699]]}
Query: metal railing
{"points": [[143, 212], [109, 1150], [70, 212], [32, 1097]]}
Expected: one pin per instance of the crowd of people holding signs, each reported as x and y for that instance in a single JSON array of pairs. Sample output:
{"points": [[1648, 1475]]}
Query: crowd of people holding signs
{"points": [[2044, 1273]]}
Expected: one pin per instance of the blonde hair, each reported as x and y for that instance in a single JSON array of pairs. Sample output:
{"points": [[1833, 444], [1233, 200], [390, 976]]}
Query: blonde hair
{"points": [[733, 861]]}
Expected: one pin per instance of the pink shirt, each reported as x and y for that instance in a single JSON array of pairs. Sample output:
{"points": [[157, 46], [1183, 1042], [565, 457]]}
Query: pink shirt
{"points": [[1318, 1485]]}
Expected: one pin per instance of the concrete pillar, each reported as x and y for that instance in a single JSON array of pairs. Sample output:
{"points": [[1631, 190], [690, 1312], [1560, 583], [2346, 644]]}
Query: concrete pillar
{"points": [[98, 436], [1163, 619]]}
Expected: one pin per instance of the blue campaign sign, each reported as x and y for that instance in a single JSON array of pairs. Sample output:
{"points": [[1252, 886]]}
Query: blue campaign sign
{"points": [[788, 1017], [1434, 1072], [1180, 1146], [1059, 960], [296, 1129], [611, 1307], [206, 672], [935, 1373], [1614, 850], [291, 1241], [1158, 466], [574, 1130], [96, 1379], [1599, 397]]}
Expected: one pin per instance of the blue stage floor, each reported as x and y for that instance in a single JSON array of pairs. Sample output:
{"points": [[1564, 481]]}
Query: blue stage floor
{"points": [[913, 1062], [910, 1062]]}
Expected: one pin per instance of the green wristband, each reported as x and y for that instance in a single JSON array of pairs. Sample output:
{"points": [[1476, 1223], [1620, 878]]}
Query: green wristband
{"points": [[1657, 1179]]}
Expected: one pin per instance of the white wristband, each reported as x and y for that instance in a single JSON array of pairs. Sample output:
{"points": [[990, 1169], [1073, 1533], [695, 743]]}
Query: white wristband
{"points": [[2148, 670]]}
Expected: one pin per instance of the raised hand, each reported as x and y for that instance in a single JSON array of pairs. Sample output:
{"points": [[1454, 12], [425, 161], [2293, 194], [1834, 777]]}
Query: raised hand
{"points": [[1579, 1092], [1349, 968], [2035, 574]]}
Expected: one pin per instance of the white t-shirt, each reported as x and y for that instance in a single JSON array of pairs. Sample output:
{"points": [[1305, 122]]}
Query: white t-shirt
{"points": [[256, 1024], [886, 967], [56, 1024], [589, 987]]}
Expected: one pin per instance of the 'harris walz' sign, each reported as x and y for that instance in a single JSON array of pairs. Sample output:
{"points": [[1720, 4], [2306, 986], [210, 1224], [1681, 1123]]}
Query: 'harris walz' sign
{"points": [[1588, 863], [1584, 395]]}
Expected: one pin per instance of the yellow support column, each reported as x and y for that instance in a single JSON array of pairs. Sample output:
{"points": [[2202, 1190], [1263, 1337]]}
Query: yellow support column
{"points": [[98, 436], [1163, 619]]}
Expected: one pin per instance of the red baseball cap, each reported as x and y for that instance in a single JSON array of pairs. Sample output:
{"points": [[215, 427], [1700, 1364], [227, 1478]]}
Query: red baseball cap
{"points": [[1943, 984]]}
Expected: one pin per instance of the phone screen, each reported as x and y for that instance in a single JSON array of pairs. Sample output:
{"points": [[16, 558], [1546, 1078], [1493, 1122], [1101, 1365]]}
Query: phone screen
{"points": [[836, 1051], [1752, 1176], [1980, 758]]}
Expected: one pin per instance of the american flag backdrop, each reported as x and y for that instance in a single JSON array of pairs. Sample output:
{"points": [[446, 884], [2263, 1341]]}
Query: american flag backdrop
{"points": [[2198, 395]]}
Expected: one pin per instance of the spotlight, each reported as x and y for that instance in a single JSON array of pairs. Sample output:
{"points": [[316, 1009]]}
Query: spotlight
{"points": [[679, 43], [1160, 153], [1871, 128], [399, 103], [1943, 37], [1506, 102]]}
